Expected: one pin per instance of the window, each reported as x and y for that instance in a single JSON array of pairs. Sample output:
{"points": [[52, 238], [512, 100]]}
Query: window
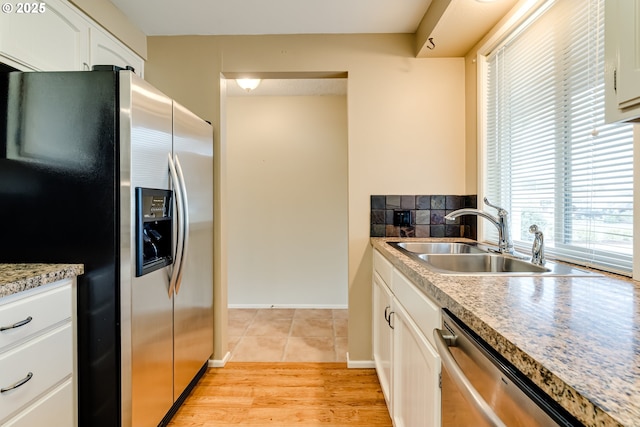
{"points": [[550, 159]]}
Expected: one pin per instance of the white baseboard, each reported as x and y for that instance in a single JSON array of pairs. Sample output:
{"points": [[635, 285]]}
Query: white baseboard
{"points": [[351, 364], [359, 364], [317, 306], [217, 363]]}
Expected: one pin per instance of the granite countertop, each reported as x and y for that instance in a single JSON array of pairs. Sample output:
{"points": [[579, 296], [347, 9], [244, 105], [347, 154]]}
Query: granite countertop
{"points": [[16, 278], [577, 338]]}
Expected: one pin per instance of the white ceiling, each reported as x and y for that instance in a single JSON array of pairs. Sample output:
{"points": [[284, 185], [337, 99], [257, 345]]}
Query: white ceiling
{"points": [[251, 17], [456, 25]]}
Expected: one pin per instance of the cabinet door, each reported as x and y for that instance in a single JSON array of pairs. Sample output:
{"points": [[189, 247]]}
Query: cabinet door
{"points": [[51, 37], [416, 375], [106, 50], [628, 73], [622, 60], [382, 333]]}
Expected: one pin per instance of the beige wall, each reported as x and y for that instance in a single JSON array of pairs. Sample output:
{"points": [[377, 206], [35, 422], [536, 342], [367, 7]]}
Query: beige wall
{"points": [[406, 126], [287, 175]]}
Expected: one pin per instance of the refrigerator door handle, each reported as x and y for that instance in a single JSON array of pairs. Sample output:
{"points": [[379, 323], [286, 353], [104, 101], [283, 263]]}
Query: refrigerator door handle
{"points": [[185, 224], [177, 259]]}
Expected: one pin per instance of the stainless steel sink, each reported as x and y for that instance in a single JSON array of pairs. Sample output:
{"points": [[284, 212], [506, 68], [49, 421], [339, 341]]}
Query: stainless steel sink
{"points": [[468, 259], [481, 263], [438, 247]]}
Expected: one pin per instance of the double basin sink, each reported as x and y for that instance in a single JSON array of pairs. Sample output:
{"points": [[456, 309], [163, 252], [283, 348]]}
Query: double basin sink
{"points": [[471, 259]]}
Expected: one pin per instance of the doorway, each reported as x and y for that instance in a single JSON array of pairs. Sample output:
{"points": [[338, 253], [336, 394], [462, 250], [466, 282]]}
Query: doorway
{"points": [[287, 211]]}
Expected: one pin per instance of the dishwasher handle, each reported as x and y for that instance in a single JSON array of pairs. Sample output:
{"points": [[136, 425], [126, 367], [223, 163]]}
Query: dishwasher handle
{"points": [[463, 383]]}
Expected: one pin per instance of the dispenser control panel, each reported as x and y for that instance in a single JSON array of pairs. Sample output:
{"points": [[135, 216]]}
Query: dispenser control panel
{"points": [[154, 230], [155, 207]]}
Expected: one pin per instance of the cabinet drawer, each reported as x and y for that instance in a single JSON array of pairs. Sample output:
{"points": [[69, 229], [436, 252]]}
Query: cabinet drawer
{"points": [[54, 409], [383, 267], [45, 309], [49, 357], [421, 309]]}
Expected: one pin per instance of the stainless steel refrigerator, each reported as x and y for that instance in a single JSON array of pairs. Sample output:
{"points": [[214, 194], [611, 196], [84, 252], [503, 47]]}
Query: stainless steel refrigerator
{"points": [[101, 168]]}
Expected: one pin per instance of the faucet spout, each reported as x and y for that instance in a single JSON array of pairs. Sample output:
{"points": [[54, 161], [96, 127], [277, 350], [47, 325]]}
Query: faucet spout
{"points": [[472, 211], [505, 244]]}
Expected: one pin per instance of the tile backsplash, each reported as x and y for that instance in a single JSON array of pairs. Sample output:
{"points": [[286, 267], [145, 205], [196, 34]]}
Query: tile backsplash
{"points": [[425, 216]]}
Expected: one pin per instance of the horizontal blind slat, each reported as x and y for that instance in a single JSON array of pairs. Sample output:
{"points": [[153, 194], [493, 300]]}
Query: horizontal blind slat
{"points": [[550, 157]]}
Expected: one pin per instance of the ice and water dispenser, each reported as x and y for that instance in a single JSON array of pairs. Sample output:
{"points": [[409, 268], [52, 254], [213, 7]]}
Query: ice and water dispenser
{"points": [[154, 232]]}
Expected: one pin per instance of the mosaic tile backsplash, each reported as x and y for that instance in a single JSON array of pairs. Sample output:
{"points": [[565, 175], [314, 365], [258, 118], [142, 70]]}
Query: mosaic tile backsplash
{"points": [[422, 216]]}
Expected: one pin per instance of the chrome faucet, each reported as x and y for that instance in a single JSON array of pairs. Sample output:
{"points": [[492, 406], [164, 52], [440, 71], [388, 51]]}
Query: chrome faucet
{"points": [[505, 244], [537, 251]]}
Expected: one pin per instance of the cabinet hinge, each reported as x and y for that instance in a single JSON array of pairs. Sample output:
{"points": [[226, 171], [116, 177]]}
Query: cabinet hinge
{"points": [[615, 80], [440, 380]]}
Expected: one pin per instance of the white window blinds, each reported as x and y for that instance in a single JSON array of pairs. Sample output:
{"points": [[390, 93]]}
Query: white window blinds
{"points": [[550, 158]]}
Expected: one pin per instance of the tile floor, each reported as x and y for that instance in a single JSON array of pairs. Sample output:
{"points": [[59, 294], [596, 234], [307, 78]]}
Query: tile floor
{"points": [[287, 335]]}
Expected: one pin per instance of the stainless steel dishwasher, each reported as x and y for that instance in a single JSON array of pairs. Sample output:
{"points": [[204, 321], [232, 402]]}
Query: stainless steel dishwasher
{"points": [[481, 388]]}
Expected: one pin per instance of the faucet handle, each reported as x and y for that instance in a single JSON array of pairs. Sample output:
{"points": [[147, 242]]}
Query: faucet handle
{"points": [[537, 250], [501, 211]]}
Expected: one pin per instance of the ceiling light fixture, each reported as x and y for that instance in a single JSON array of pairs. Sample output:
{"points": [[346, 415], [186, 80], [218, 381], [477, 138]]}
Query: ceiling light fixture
{"points": [[248, 84]]}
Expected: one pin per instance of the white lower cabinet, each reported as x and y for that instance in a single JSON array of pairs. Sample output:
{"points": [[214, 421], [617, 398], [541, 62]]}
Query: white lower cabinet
{"points": [[416, 375], [382, 299], [407, 364], [37, 356]]}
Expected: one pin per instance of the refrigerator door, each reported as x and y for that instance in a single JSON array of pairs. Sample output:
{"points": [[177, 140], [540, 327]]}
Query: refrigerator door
{"points": [[59, 191], [193, 302], [146, 306]]}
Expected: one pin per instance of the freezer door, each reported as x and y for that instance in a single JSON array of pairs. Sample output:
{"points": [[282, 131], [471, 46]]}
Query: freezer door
{"points": [[146, 305], [58, 193], [193, 302]]}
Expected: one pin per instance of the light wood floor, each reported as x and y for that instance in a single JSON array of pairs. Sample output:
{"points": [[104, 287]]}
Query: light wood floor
{"points": [[285, 394]]}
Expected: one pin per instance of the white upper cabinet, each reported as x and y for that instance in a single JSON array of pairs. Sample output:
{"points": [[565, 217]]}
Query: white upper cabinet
{"points": [[622, 60], [43, 36], [106, 50], [55, 36]]}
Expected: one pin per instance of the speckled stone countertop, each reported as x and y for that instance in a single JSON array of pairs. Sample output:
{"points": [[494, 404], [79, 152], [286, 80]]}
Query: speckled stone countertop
{"points": [[16, 278], [577, 338]]}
